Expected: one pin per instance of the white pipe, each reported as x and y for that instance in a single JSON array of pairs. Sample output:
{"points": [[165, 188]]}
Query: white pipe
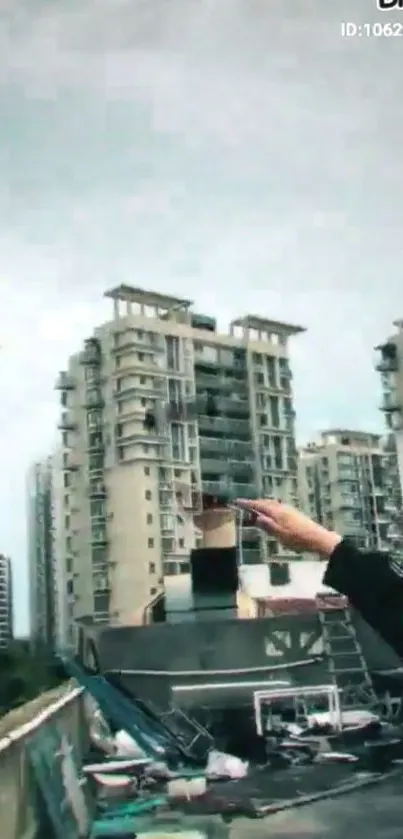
{"points": [[221, 686], [233, 671]]}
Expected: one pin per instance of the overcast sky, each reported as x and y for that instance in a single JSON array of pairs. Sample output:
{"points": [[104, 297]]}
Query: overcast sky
{"points": [[238, 151]]}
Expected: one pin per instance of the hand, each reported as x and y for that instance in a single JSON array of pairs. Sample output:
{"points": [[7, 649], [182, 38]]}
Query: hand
{"points": [[292, 529]]}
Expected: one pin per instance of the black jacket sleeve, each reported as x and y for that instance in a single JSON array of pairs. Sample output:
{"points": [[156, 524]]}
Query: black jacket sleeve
{"points": [[373, 583]]}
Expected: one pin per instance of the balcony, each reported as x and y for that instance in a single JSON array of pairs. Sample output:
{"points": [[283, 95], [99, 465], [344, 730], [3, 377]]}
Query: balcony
{"points": [[97, 490], [387, 365], [66, 423], [65, 382], [234, 407], [223, 425], [237, 449], [157, 389], [391, 402], [130, 344], [232, 449], [387, 360], [91, 354], [240, 468], [71, 464], [96, 444], [181, 411], [229, 489], [394, 419], [348, 502], [99, 537], [216, 488], [94, 399], [221, 384], [347, 475]]}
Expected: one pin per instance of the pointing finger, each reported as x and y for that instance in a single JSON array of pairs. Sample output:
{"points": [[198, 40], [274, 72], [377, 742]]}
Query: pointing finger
{"points": [[256, 505], [265, 506]]}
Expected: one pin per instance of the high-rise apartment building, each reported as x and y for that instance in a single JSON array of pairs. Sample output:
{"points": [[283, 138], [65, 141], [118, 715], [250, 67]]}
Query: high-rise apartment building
{"points": [[46, 548], [159, 411], [41, 553], [389, 363], [343, 485], [6, 601]]}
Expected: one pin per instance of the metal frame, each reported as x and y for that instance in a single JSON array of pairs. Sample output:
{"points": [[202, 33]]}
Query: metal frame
{"points": [[331, 691]]}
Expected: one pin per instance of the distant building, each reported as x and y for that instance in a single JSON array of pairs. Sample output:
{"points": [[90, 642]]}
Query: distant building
{"points": [[389, 363], [6, 601], [343, 483], [42, 583]]}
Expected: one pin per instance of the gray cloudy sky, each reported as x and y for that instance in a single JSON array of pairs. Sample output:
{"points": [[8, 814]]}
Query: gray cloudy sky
{"points": [[239, 151]]}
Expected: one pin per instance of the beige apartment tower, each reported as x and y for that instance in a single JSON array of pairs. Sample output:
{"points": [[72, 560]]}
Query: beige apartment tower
{"points": [[343, 485], [160, 410]]}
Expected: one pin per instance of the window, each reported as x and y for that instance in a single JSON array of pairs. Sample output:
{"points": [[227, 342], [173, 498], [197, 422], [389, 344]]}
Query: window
{"points": [[267, 484], [98, 534], [178, 442], [153, 591], [149, 518], [257, 358], [143, 402], [95, 461], [140, 357], [275, 411], [98, 556], [262, 419], [184, 567], [97, 508], [271, 370], [173, 353], [146, 471], [67, 501], [67, 522], [151, 567], [143, 379], [148, 495], [150, 543], [279, 573], [181, 543]]}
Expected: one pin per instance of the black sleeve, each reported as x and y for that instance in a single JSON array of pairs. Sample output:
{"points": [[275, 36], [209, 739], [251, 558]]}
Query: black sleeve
{"points": [[373, 583]]}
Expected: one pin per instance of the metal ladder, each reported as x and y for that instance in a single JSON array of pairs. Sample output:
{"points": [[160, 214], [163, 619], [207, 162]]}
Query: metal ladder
{"points": [[347, 666]]}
